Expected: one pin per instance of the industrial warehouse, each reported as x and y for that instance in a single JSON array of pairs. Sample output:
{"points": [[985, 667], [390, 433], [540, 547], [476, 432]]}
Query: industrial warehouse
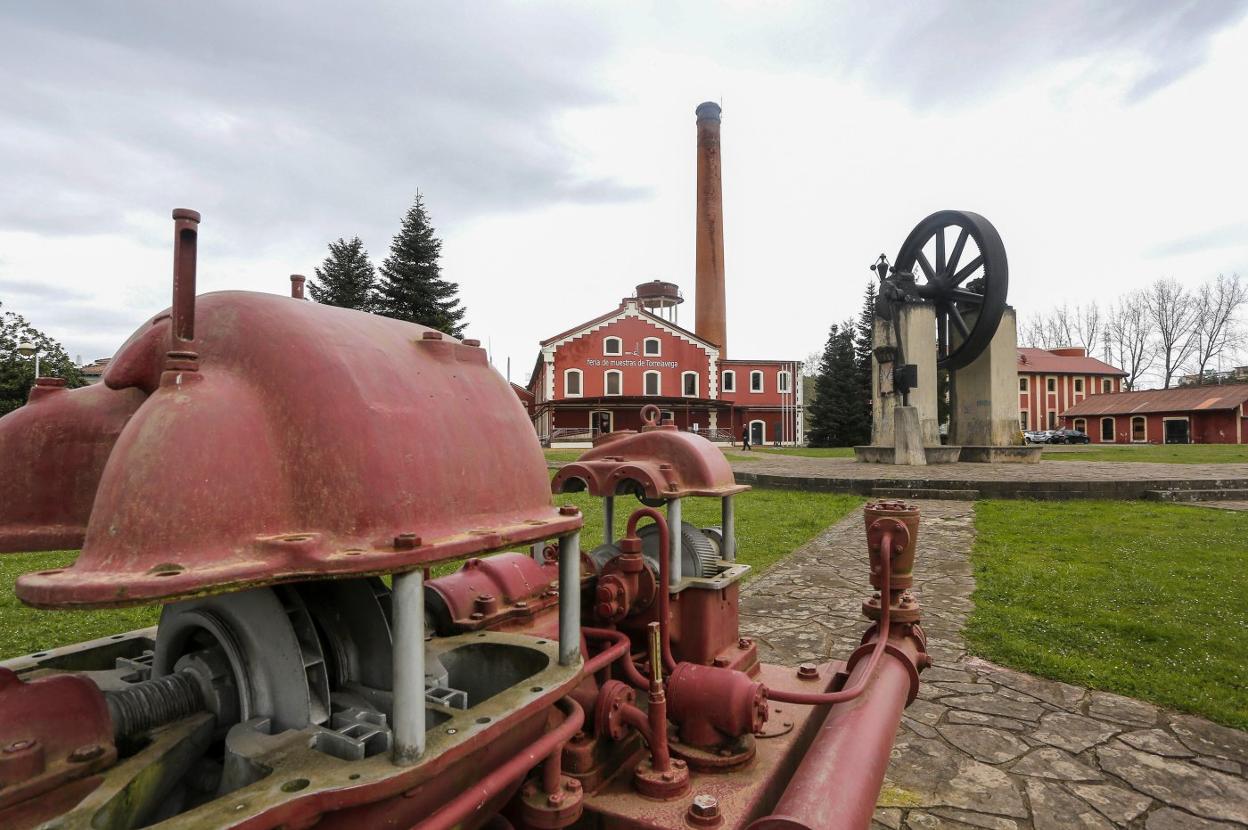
{"points": [[594, 377]]}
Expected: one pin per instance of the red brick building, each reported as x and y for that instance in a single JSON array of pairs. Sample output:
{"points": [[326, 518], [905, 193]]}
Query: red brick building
{"points": [[1050, 381], [595, 377], [1183, 415]]}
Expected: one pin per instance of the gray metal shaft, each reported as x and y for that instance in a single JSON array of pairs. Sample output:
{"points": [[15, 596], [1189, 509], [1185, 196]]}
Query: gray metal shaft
{"points": [[673, 526], [409, 667], [153, 703], [608, 516], [728, 526], [570, 598]]}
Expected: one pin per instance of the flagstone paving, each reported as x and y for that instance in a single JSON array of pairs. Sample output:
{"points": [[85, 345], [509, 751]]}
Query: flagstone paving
{"points": [[985, 746]]}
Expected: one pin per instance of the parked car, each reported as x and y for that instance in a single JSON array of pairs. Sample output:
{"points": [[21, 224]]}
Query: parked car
{"points": [[1069, 436], [1037, 436]]}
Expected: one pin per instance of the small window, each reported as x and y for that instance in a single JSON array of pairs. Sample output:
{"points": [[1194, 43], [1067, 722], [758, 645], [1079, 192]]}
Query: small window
{"points": [[782, 381], [689, 384], [1022, 421], [1081, 425], [653, 386], [571, 383], [1052, 419], [756, 381], [1107, 429], [729, 381], [1022, 385], [612, 345], [1051, 384], [613, 382], [667, 416], [652, 346], [1139, 428], [1078, 386], [1107, 385]]}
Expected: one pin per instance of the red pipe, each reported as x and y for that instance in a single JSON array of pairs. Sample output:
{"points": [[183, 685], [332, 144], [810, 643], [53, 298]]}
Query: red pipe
{"points": [[459, 809], [631, 673], [837, 784], [665, 563], [854, 689]]}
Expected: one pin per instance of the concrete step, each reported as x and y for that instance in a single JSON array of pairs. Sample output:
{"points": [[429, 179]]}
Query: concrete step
{"points": [[1227, 494], [947, 494]]}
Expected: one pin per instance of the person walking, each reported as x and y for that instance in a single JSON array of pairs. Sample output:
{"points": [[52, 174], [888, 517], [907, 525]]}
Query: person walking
{"points": [[745, 438]]}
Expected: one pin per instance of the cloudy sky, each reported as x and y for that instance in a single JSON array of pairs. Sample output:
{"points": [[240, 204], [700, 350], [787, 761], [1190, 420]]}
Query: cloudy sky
{"points": [[554, 144]]}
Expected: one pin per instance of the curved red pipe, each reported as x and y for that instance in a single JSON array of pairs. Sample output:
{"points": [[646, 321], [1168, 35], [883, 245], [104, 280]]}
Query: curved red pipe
{"points": [[856, 689], [624, 654], [665, 564], [459, 809]]}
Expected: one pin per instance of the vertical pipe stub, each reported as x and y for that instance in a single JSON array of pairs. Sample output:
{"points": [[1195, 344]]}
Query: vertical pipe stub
{"points": [[185, 245], [296, 285]]}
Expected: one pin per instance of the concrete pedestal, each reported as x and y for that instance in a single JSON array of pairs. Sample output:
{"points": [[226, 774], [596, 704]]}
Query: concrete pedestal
{"points": [[918, 332], [983, 396]]}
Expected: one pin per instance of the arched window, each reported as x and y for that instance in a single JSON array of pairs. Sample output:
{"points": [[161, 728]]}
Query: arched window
{"points": [[689, 384], [1107, 430], [1139, 428], [613, 382], [729, 381], [571, 383], [782, 381], [652, 347], [653, 385], [1107, 384], [1081, 424], [756, 381], [612, 345]]}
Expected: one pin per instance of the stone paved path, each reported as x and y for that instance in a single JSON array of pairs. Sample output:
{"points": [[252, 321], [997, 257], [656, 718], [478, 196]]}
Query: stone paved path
{"points": [[988, 747]]}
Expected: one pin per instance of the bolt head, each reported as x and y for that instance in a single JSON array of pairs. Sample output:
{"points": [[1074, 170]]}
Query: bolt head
{"points": [[572, 785], [554, 799], [18, 746], [86, 753], [669, 776], [678, 764], [744, 643], [808, 671], [568, 510], [704, 806]]}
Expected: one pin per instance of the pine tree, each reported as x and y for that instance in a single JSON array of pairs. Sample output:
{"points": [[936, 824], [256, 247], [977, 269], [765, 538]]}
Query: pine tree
{"points": [[346, 278], [411, 286], [836, 418], [863, 362]]}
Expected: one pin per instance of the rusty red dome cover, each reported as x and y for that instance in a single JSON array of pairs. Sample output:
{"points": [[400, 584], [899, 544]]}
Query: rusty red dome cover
{"points": [[659, 462], [304, 441]]}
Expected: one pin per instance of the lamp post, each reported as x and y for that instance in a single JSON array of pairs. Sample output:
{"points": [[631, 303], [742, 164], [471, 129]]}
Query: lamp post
{"points": [[28, 349]]}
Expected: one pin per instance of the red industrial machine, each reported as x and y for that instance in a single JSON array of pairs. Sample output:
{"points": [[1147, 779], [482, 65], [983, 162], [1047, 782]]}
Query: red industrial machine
{"points": [[282, 477]]}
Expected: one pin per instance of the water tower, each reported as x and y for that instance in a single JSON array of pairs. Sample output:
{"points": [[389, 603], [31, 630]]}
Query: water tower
{"points": [[661, 299]]}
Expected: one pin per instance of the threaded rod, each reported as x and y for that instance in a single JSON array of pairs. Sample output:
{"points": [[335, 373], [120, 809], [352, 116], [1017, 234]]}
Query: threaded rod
{"points": [[153, 703]]}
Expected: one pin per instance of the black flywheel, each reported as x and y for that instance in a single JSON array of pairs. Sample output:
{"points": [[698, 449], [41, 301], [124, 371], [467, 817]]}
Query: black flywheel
{"points": [[959, 266]]}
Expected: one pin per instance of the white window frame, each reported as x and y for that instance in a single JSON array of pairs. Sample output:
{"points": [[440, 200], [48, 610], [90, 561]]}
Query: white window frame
{"points": [[762, 384], [1079, 386], [645, 351], [619, 346], [750, 427], [1022, 386], [1024, 418], [606, 382], [1050, 385], [728, 381], [1143, 440], [658, 385], [610, 419], [1177, 418], [580, 383], [696, 384], [784, 382], [1107, 385], [1075, 424], [1113, 429]]}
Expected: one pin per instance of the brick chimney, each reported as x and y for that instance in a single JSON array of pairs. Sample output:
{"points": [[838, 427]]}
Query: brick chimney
{"points": [[710, 309], [296, 285]]}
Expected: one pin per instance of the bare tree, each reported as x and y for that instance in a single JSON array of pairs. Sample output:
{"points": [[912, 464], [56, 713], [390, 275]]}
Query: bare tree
{"points": [[1129, 336], [1172, 314], [1218, 330], [1088, 326]]}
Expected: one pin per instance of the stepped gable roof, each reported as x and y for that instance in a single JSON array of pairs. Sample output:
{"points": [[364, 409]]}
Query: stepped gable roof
{"points": [[1044, 361], [1178, 399]]}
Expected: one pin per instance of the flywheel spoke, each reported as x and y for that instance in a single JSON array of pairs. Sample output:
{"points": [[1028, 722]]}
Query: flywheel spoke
{"points": [[970, 268], [955, 317], [926, 266], [956, 253], [963, 295], [940, 251]]}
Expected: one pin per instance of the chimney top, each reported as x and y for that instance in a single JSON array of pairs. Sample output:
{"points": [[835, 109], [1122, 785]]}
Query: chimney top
{"points": [[708, 111]]}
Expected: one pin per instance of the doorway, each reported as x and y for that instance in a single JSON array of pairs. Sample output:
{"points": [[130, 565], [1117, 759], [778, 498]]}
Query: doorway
{"points": [[1177, 431], [601, 422], [758, 433]]}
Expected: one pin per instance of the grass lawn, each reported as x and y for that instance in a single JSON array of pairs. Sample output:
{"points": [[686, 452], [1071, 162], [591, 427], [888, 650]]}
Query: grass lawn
{"points": [[1147, 600], [810, 452], [1157, 453], [564, 456], [770, 524]]}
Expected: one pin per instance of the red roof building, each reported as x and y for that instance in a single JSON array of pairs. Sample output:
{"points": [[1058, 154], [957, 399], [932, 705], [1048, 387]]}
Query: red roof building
{"points": [[1182, 415], [1050, 381]]}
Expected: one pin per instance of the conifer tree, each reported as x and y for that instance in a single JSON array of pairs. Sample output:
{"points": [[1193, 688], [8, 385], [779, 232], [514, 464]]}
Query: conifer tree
{"points": [[346, 278], [411, 286], [863, 359], [836, 417]]}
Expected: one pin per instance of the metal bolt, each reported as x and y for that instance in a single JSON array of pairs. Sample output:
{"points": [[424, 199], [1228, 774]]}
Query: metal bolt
{"points": [[18, 746], [431, 335], [477, 615], [522, 604], [679, 764], [568, 510], [808, 671], [471, 342], [669, 776], [744, 643], [704, 806], [86, 753], [406, 541], [572, 785], [554, 799]]}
